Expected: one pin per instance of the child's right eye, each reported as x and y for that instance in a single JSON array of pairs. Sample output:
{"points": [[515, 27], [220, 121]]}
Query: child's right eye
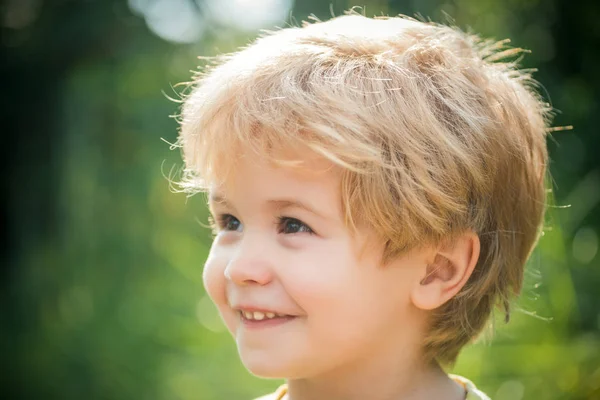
{"points": [[228, 222]]}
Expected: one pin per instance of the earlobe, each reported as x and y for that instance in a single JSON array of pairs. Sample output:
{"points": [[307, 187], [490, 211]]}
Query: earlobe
{"points": [[448, 273]]}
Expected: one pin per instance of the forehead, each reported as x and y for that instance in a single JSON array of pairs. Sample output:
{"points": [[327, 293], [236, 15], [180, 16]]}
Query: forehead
{"points": [[295, 176]]}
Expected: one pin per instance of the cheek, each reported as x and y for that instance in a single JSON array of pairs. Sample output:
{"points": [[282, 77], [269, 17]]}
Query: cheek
{"points": [[215, 285], [214, 279], [340, 292], [322, 279]]}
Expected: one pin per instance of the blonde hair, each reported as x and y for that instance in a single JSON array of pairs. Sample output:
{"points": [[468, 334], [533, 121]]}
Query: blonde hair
{"points": [[436, 133]]}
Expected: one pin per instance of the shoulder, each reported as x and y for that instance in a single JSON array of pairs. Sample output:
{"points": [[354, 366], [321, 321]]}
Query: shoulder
{"points": [[472, 392], [277, 395]]}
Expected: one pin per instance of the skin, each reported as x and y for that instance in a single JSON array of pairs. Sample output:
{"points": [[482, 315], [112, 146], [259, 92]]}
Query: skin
{"points": [[354, 327]]}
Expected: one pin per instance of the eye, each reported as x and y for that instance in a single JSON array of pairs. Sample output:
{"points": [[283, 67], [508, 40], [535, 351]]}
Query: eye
{"points": [[287, 225], [228, 222]]}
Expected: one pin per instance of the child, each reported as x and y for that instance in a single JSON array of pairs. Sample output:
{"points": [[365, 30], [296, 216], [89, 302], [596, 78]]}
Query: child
{"points": [[377, 186]]}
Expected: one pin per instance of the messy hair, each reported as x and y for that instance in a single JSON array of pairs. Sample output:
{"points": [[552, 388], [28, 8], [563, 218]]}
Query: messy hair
{"points": [[436, 131]]}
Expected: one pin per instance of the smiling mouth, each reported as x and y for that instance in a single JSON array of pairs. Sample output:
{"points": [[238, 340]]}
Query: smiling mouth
{"points": [[260, 316], [263, 319]]}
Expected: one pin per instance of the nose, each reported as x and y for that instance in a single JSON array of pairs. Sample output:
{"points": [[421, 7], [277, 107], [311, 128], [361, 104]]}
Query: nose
{"points": [[250, 264]]}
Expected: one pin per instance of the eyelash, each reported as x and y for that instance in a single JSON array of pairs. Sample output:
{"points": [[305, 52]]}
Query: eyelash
{"points": [[223, 220]]}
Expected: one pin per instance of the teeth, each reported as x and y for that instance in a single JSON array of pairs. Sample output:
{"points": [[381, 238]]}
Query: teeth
{"points": [[259, 315]]}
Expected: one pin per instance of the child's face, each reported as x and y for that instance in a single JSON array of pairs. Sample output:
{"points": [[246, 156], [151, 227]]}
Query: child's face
{"points": [[282, 248]]}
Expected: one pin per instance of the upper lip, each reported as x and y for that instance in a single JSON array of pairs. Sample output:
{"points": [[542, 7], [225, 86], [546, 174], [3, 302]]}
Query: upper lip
{"points": [[251, 308]]}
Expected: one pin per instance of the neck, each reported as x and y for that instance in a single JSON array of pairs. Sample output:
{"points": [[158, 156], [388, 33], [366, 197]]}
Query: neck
{"points": [[392, 377]]}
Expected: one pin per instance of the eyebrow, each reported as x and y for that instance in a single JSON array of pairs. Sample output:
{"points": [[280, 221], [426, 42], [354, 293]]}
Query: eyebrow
{"points": [[275, 203], [217, 199]]}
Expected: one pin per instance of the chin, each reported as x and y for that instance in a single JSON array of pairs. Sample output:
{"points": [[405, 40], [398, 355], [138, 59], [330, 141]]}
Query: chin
{"points": [[267, 367], [266, 371], [264, 367]]}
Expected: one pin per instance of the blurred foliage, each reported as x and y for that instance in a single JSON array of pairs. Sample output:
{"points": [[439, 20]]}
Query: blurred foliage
{"points": [[102, 295]]}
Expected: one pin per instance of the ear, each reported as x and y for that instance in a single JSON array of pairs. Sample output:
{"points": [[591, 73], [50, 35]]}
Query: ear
{"points": [[451, 268]]}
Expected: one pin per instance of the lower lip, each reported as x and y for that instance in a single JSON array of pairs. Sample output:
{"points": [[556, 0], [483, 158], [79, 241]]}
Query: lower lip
{"points": [[265, 323]]}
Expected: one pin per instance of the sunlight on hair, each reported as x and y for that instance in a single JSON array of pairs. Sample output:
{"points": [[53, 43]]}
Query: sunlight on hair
{"points": [[248, 15], [173, 20]]}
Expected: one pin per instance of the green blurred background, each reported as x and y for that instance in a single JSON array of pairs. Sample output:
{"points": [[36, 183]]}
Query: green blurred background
{"points": [[101, 264]]}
